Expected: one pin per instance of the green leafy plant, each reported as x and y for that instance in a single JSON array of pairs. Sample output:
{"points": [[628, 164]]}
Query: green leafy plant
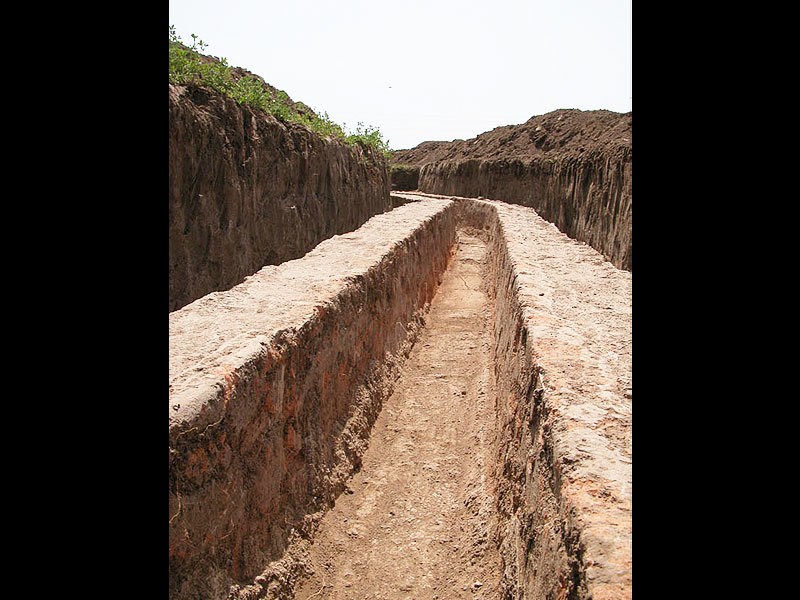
{"points": [[187, 66], [369, 136]]}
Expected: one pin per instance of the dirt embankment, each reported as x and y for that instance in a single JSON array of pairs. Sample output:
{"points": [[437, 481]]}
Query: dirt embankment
{"points": [[247, 190], [419, 520], [404, 178], [562, 354], [276, 384], [274, 387], [573, 167]]}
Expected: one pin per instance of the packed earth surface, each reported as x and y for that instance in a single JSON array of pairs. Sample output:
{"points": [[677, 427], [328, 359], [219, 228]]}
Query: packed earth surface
{"points": [[417, 520]]}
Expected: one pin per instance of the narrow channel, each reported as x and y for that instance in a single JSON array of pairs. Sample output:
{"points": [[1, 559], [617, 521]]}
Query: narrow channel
{"points": [[417, 521]]}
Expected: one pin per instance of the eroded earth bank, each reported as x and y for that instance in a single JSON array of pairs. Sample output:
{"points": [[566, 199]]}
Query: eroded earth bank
{"points": [[575, 168], [248, 190], [435, 405]]}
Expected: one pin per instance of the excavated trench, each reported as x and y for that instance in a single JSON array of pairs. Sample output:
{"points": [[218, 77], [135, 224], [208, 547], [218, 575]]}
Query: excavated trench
{"points": [[436, 405], [418, 518]]}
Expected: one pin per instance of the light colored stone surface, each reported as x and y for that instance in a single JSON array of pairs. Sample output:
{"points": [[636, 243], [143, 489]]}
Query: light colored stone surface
{"points": [[577, 308]]}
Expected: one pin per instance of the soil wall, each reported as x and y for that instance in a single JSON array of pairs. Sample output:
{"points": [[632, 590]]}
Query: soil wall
{"points": [[404, 178], [588, 198], [246, 190], [573, 167], [562, 363], [274, 386]]}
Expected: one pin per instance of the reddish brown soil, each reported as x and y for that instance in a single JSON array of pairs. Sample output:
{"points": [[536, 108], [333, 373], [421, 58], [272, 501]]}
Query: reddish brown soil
{"points": [[557, 134], [418, 521], [573, 167]]}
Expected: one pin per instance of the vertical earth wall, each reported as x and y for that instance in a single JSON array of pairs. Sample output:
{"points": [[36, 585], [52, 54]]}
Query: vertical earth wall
{"points": [[274, 386], [247, 190], [563, 411], [589, 197]]}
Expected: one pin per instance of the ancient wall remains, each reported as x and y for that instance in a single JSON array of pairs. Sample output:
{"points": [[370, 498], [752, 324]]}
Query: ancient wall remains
{"points": [[274, 386]]}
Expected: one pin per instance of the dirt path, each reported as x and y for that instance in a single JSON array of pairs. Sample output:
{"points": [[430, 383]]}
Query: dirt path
{"points": [[417, 520]]}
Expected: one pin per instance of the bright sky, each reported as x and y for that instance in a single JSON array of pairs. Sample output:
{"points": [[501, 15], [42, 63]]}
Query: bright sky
{"points": [[423, 70]]}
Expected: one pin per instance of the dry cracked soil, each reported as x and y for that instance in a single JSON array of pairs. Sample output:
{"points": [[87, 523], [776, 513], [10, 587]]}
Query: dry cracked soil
{"points": [[417, 520]]}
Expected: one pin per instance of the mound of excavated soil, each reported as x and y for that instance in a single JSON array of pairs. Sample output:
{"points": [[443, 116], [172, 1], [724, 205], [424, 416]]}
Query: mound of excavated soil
{"points": [[556, 135], [239, 72]]}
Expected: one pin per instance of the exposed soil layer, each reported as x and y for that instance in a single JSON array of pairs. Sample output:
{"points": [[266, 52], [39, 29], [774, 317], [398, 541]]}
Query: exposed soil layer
{"points": [[557, 135], [247, 190], [484, 438], [404, 177], [562, 333], [418, 519], [274, 386], [574, 167]]}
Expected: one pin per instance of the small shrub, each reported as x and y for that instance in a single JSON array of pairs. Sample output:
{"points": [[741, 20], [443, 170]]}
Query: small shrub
{"points": [[370, 136]]}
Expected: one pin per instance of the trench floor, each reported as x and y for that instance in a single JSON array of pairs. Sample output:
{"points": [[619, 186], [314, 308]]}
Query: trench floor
{"points": [[417, 520]]}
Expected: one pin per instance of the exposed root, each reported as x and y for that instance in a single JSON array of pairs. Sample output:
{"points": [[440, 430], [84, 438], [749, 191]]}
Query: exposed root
{"points": [[319, 590], [172, 518]]}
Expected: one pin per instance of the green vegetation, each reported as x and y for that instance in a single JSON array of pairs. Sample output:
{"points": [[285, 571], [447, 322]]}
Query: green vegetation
{"points": [[186, 66]]}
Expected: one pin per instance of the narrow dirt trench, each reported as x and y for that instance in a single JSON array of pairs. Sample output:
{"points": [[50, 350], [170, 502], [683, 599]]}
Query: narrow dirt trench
{"points": [[417, 520]]}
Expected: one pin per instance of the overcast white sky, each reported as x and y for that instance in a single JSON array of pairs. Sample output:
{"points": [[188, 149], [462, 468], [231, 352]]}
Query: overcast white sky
{"points": [[425, 69]]}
